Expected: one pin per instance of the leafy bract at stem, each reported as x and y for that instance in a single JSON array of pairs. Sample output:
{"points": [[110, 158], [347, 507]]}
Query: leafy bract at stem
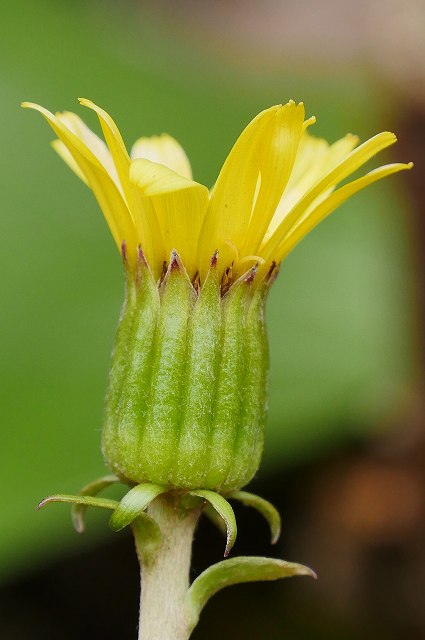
{"points": [[134, 502], [267, 510], [235, 571], [91, 489], [226, 512], [88, 501]]}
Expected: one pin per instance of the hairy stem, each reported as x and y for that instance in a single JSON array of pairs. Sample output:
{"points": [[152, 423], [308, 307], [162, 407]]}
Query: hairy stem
{"points": [[165, 578]]}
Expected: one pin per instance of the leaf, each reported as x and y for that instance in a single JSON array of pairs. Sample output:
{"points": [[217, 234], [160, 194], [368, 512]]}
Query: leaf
{"points": [[133, 503], [88, 501], [224, 509], [267, 510], [235, 571], [147, 535], [91, 489]]}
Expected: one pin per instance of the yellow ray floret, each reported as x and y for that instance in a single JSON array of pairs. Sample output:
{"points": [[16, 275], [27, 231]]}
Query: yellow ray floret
{"points": [[277, 183]]}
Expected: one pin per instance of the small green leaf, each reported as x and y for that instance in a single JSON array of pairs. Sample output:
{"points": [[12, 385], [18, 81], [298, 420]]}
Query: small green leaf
{"points": [[224, 509], [133, 503], [270, 513], [234, 571], [91, 489], [88, 501], [147, 535], [216, 520]]}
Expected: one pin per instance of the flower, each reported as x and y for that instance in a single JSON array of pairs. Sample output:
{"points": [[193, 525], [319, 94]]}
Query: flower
{"points": [[277, 183], [187, 397]]}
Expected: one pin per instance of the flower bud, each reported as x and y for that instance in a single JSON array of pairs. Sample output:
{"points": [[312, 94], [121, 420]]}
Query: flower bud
{"points": [[186, 403]]}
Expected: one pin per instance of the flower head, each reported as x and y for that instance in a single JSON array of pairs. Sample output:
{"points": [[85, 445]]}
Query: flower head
{"points": [[277, 183], [186, 404]]}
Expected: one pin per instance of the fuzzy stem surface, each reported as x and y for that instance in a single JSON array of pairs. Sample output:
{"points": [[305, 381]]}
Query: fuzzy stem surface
{"points": [[165, 578]]}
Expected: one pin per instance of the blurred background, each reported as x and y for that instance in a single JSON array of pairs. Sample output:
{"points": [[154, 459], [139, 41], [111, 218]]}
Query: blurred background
{"points": [[345, 447]]}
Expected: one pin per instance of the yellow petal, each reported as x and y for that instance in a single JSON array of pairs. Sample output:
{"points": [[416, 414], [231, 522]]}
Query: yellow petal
{"points": [[91, 141], [319, 191], [164, 150], [338, 197], [314, 159], [66, 156], [143, 214], [149, 234], [277, 155], [106, 192], [232, 197], [179, 204], [115, 143]]}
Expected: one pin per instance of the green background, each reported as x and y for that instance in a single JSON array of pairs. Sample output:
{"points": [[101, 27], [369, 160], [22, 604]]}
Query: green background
{"points": [[339, 314]]}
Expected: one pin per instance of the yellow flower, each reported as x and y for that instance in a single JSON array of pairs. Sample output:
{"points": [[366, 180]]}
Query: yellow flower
{"points": [[186, 405], [277, 183]]}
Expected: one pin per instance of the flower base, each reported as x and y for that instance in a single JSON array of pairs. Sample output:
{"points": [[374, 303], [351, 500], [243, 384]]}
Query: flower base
{"points": [[163, 524]]}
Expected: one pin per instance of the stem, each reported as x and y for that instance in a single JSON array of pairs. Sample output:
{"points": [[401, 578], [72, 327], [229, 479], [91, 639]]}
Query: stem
{"points": [[165, 579]]}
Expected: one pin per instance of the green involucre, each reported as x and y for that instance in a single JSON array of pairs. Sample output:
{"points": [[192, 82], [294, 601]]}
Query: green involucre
{"points": [[188, 382]]}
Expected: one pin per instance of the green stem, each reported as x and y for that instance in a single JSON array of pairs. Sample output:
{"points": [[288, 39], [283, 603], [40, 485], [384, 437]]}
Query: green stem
{"points": [[165, 578]]}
